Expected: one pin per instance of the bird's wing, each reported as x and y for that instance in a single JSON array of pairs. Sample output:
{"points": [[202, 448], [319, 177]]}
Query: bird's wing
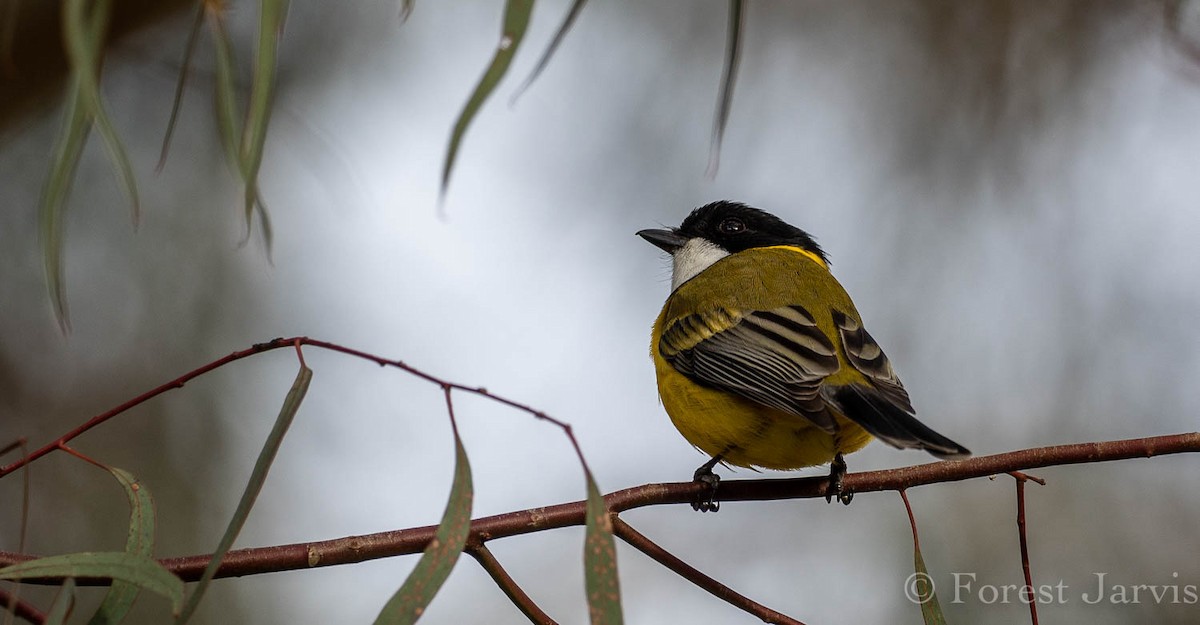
{"points": [[881, 406], [776, 357], [868, 358]]}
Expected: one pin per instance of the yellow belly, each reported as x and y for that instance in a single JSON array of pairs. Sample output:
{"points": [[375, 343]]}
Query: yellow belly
{"points": [[746, 433]]}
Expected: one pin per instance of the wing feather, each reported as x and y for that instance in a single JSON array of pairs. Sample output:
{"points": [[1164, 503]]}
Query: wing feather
{"points": [[777, 357], [882, 407]]}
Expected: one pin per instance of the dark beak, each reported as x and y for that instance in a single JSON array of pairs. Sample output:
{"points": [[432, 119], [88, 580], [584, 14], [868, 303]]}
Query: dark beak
{"points": [[666, 240]]}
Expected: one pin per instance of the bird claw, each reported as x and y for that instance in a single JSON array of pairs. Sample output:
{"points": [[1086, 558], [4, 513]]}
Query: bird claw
{"points": [[705, 500], [837, 471]]}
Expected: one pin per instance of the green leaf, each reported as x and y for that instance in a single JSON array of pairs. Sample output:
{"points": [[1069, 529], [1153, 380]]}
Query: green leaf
{"points": [[85, 47], [228, 119], [516, 20], [140, 542], [60, 611], [138, 570], [244, 144], [262, 92], [919, 586], [733, 56], [258, 476], [189, 51], [931, 610], [418, 590], [77, 123], [563, 28], [53, 208], [600, 561]]}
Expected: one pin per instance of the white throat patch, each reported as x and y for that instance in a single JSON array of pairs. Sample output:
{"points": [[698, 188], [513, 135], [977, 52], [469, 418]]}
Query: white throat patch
{"points": [[695, 256]]}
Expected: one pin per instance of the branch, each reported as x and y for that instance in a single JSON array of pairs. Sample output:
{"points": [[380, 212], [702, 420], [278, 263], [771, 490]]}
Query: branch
{"points": [[20, 609], [258, 348], [639, 541], [1021, 478], [484, 557], [414, 540]]}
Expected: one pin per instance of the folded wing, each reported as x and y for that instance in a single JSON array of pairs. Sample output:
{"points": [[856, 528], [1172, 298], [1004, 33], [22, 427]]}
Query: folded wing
{"points": [[781, 358], [776, 357]]}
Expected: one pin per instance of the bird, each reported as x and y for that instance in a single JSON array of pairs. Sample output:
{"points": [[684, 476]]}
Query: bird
{"points": [[761, 358]]}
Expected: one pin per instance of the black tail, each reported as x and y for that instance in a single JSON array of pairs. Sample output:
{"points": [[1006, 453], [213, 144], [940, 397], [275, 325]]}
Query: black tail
{"points": [[892, 425]]}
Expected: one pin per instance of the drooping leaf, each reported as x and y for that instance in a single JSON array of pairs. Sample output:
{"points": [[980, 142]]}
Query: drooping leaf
{"points": [[516, 20], [140, 542], [77, 123], [229, 123], [733, 56], [245, 141], [568, 22], [53, 205], [931, 610], [418, 590], [85, 47], [600, 561], [262, 94], [920, 586], [189, 51], [254, 485], [141, 571]]}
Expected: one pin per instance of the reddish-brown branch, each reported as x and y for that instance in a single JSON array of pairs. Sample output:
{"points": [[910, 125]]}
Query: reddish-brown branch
{"points": [[639, 541], [912, 520], [484, 557], [1020, 480], [20, 609], [413, 540], [140, 399], [296, 343]]}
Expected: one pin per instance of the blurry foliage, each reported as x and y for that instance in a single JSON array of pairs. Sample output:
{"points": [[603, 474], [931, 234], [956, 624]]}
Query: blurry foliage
{"points": [[992, 65]]}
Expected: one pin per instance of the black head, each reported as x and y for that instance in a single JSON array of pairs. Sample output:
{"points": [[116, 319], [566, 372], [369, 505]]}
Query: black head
{"points": [[737, 227]]}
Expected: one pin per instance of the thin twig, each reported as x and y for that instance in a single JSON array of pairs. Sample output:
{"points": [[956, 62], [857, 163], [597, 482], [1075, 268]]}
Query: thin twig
{"points": [[912, 520], [749, 489], [414, 540], [20, 608], [484, 557], [140, 399], [296, 343], [639, 541], [1032, 599], [1025, 476], [274, 344]]}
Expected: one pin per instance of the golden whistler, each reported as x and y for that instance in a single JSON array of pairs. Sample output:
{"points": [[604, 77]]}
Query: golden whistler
{"points": [[762, 359]]}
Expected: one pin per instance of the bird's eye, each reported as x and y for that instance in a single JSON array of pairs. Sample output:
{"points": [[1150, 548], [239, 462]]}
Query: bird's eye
{"points": [[732, 225]]}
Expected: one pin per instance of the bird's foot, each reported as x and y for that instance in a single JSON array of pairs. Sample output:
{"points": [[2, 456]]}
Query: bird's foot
{"points": [[705, 500], [837, 471]]}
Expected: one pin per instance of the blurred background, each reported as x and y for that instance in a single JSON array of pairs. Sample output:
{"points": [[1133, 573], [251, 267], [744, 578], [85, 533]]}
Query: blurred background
{"points": [[1008, 190]]}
